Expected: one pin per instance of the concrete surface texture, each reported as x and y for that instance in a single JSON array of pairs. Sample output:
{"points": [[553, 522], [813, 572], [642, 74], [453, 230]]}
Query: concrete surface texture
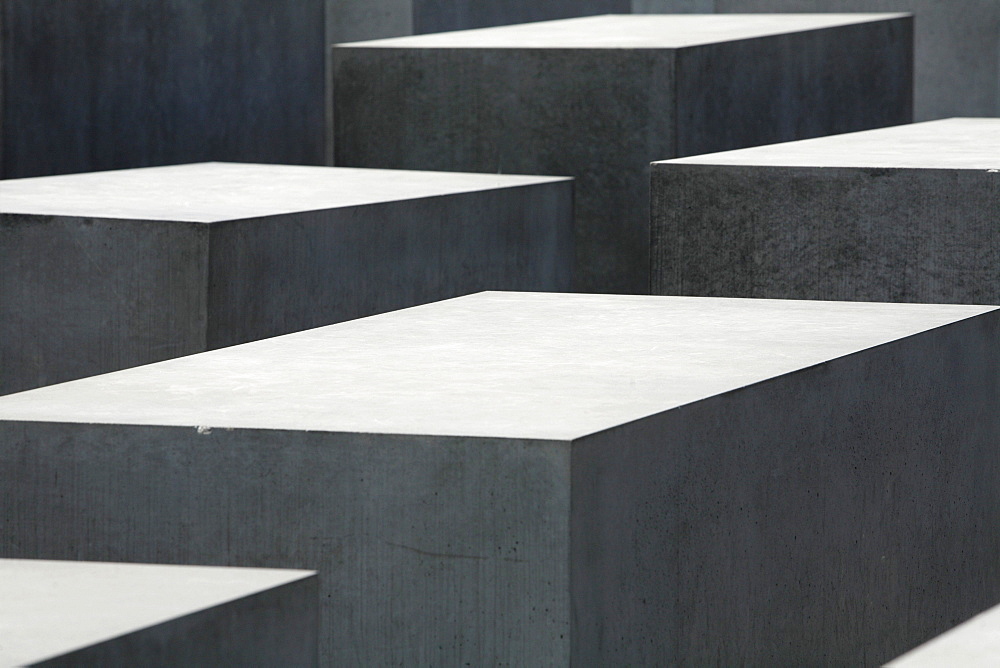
{"points": [[972, 644], [109, 84], [430, 16], [520, 478], [903, 214], [72, 613], [598, 98], [104, 271], [957, 55]]}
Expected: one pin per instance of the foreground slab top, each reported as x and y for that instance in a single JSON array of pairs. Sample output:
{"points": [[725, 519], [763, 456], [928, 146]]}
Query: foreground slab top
{"points": [[215, 191], [954, 143], [627, 31], [50, 608], [516, 365]]}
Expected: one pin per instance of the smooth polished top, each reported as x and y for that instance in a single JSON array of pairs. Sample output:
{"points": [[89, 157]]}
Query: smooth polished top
{"points": [[217, 191], [627, 31], [517, 365], [953, 143], [50, 608]]}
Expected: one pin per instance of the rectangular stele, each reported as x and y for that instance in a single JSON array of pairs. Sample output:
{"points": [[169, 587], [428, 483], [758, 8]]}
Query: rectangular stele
{"points": [[903, 214], [72, 613], [109, 270], [599, 98], [541, 479]]}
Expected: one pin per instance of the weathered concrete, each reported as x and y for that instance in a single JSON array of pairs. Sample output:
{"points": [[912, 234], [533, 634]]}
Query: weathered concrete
{"points": [[104, 271], [972, 644], [599, 98], [540, 479], [61, 613], [957, 45], [905, 214], [431, 16], [109, 84]]}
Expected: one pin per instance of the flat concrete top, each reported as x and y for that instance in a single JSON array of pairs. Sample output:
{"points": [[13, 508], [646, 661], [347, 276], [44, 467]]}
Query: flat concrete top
{"points": [[518, 365], [974, 644], [626, 31], [953, 143], [216, 191], [50, 608]]}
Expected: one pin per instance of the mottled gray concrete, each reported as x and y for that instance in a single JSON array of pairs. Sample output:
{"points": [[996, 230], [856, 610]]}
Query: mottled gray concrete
{"points": [[972, 644], [905, 214], [957, 45], [430, 16], [598, 98], [72, 613], [545, 479], [104, 271], [109, 84]]}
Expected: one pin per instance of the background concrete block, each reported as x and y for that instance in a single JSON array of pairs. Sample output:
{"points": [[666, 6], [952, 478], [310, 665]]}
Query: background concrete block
{"points": [[957, 56], [108, 270], [905, 214], [598, 98], [61, 613], [441, 15], [546, 479], [972, 644]]}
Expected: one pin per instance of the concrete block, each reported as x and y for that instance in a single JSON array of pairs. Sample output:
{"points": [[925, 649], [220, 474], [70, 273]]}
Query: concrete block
{"points": [[431, 16], [108, 270], [70, 613], [598, 98], [904, 214], [537, 479], [972, 644], [957, 45]]}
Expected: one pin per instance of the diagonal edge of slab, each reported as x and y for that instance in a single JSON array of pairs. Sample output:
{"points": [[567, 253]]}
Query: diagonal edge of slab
{"points": [[507, 365], [953, 143], [975, 642], [627, 31], [217, 191], [51, 608]]}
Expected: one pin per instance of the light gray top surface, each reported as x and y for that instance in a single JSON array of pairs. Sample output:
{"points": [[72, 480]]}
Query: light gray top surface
{"points": [[974, 644], [49, 608], [627, 31], [518, 365], [953, 143], [216, 191]]}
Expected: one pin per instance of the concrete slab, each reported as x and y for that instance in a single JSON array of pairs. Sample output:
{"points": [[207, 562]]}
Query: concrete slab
{"points": [[547, 479], [108, 270], [902, 214], [957, 45], [598, 98], [972, 644], [72, 613]]}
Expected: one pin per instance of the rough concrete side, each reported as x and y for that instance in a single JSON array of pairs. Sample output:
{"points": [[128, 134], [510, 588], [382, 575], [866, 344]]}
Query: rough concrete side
{"points": [[81, 296], [288, 273], [430, 551], [836, 516], [109, 84], [900, 235], [598, 115], [957, 48], [443, 15], [794, 86], [277, 628]]}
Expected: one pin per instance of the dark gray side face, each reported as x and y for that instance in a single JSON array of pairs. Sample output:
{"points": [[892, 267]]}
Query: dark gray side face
{"points": [[902, 235], [430, 551], [794, 86], [289, 273], [957, 56], [840, 515], [79, 297], [276, 627], [443, 15], [598, 115], [109, 84]]}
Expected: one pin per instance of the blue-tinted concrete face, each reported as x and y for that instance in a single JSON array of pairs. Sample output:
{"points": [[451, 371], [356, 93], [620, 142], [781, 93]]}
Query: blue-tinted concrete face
{"points": [[109, 84], [441, 15]]}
